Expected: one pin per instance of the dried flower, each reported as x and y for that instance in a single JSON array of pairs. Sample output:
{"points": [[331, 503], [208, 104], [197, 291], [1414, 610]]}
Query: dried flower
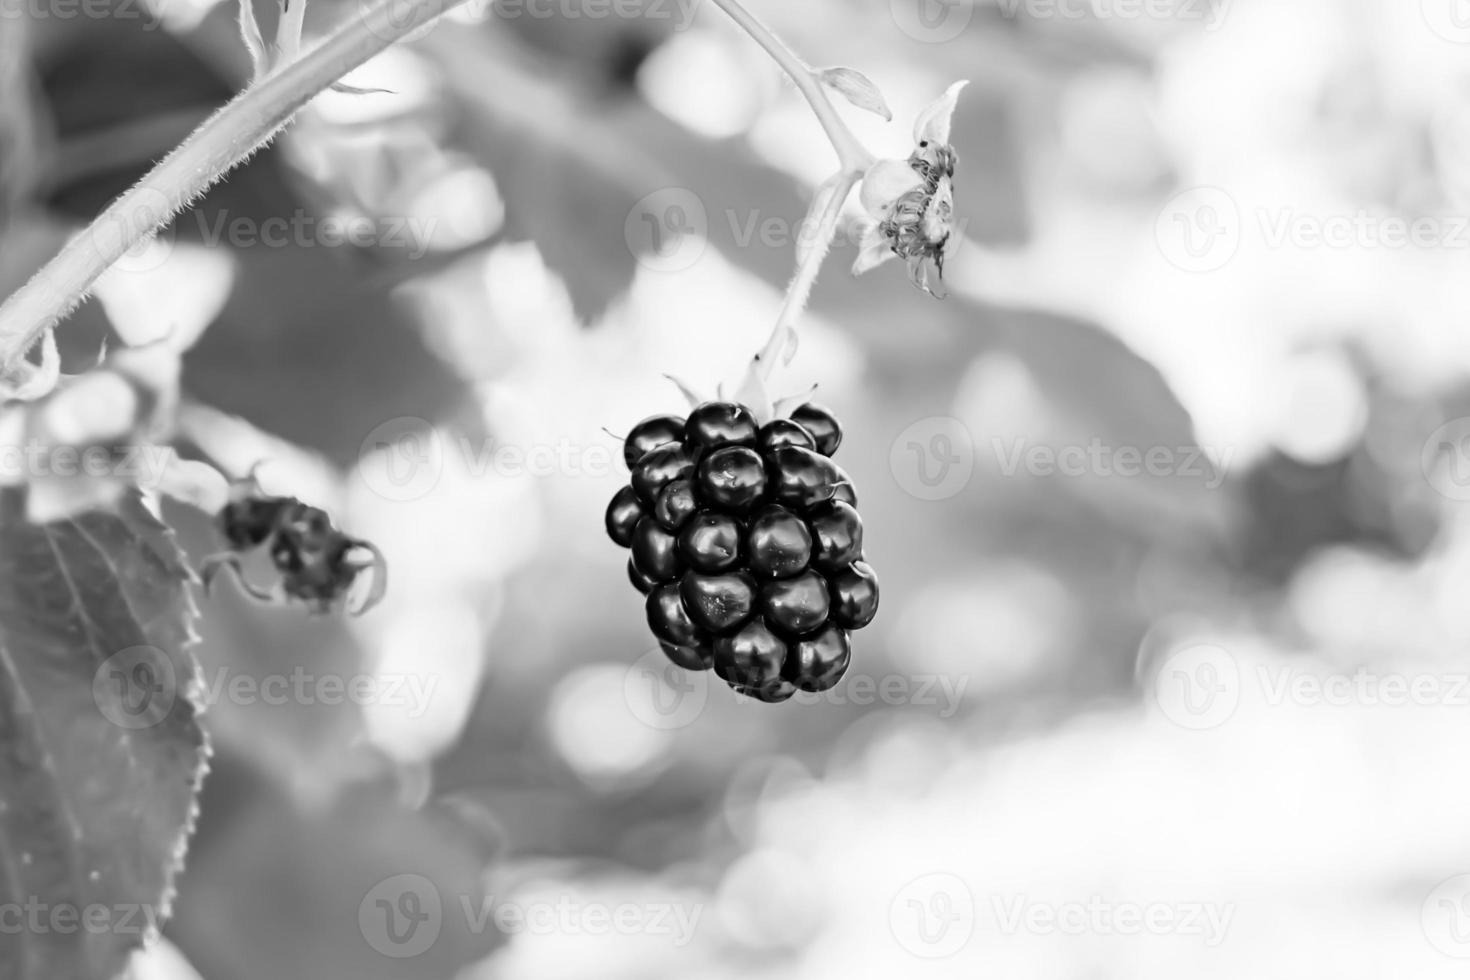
{"points": [[911, 202]]}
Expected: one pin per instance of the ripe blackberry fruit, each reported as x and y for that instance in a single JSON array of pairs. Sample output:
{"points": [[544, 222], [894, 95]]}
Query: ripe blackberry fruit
{"points": [[746, 539]]}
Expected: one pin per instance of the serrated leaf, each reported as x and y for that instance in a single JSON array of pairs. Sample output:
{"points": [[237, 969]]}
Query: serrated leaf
{"points": [[858, 89], [101, 753]]}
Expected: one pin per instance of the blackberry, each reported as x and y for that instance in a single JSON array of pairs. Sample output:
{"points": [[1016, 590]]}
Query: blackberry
{"points": [[746, 540]]}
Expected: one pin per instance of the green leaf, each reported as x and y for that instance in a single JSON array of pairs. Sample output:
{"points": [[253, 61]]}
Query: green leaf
{"points": [[101, 753]]}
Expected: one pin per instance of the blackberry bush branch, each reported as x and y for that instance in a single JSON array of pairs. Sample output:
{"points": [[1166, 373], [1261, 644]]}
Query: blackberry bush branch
{"points": [[224, 141]]}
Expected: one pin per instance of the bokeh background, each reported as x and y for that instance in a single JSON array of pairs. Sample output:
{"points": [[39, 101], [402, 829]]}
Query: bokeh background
{"points": [[1169, 498]]}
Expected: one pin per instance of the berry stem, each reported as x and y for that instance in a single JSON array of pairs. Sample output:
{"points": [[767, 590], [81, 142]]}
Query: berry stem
{"points": [[854, 161], [850, 152], [826, 208], [221, 143]]}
